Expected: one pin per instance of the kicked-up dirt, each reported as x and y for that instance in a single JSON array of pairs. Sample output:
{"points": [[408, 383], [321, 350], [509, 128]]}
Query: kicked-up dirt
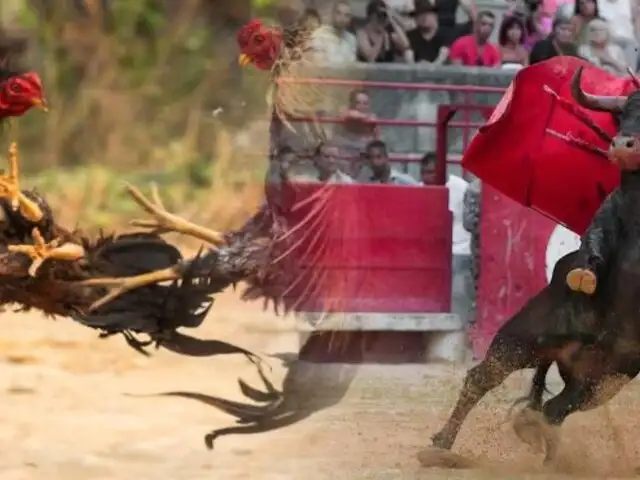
{"points": [[72, 407]]}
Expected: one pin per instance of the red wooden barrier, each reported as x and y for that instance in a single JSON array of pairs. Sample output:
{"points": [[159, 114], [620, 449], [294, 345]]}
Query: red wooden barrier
{"points": [[387, 249], [518, 250]]}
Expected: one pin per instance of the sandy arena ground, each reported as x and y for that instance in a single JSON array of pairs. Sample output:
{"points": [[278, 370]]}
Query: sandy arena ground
{"points": [[65, 414]]}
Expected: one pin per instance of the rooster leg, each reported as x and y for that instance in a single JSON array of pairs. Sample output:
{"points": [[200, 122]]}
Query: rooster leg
{"points": [[166, 221], [10, 189], [41, 251], [121, 285]]}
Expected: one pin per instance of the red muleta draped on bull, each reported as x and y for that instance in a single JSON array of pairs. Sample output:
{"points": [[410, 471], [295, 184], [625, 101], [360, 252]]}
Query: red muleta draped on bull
{"points": [[539, 150]]}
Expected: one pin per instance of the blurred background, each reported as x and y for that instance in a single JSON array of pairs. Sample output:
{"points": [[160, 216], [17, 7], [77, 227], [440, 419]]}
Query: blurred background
{"points": [[139, 91]]}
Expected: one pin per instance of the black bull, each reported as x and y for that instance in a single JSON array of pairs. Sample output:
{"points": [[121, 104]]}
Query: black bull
{"points": [[595, 340]]}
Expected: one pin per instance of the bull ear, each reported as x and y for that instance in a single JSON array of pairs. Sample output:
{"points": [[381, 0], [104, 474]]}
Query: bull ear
{"points": [[598, 103]]}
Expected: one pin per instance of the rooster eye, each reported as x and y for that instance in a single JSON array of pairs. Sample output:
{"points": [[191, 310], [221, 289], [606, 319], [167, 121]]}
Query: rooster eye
{"points": [[258, 39], [15, 88]]}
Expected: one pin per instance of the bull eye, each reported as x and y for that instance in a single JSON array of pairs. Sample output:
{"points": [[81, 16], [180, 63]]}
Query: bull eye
{"points": [[258, 39]]}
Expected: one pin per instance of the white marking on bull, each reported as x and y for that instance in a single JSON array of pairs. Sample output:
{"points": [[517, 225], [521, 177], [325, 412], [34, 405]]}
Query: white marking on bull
{"points": [[561, 242]]}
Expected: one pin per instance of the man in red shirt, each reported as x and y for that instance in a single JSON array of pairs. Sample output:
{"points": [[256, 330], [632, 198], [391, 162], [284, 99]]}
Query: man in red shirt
{"points": [[475, 50]]}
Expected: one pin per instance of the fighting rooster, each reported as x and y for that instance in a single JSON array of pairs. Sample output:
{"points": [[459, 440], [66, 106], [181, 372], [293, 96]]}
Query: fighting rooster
{"points": [[289, 53], [47, 267], [279, 255], [19, 92], [276, 252]]}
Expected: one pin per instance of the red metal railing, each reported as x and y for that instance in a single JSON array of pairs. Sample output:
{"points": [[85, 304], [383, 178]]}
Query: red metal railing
{"points": [[466, 105]]}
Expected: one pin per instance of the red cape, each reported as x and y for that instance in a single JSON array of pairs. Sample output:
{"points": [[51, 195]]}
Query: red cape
{"points": [[518, 151]]}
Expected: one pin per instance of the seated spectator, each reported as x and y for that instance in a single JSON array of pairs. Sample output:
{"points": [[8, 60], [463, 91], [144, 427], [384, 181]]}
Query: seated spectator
{"points": [[599, 49], [311, 19], [511, 40], [378, 161], [281, 162], [584, 11], [325, 159], [382, 38], [428, 168], [427, 43], [359, 126], [326, 166], [537, 22], [624, 15], [334, 44], [475, 50], [560, 42]]}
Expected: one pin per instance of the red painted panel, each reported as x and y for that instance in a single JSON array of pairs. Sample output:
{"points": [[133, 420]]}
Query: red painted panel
{"points": [[379, 249], [513, 242]]}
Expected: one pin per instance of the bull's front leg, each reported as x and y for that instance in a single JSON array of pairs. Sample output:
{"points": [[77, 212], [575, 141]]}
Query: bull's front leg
{"points": [[502, 359]]}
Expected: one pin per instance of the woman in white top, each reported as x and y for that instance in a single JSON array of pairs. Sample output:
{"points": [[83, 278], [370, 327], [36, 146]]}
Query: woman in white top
{"points": [[620, 14], [600, 50]]}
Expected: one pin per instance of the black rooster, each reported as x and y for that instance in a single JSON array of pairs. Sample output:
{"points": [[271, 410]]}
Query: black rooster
{"points": [[47, 267]]}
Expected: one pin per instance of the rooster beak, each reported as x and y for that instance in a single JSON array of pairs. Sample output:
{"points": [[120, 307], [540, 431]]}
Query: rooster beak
{"points": [[41, 103], [244, 60]]}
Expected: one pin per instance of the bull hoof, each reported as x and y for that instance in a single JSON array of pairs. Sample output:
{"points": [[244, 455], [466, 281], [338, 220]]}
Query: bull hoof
{"points": [[441, 458], [531, 428], [582, 280], [441, 441], [527, 425]]}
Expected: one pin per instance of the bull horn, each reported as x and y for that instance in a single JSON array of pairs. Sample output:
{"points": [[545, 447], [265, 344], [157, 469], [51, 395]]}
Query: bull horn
{"points": [[634, 77], [598, 103]]}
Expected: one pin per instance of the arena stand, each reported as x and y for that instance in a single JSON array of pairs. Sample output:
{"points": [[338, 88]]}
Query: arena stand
{"points": [[396, 273]]}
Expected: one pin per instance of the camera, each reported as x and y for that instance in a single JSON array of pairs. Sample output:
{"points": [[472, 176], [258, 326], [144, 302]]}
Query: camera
{"points": [[382, 16], [532, 5]]}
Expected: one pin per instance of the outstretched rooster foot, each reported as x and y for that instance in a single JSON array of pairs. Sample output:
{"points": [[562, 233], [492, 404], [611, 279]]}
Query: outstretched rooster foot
{"points": [[163, 221], [10, 189], [41, 251], [118, 286]]}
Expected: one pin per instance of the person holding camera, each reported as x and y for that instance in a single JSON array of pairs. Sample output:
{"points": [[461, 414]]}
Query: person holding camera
{"points": [[537, 21], [428, 44], [382, 38]]}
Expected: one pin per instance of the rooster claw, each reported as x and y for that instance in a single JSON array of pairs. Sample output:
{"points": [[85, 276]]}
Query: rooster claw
{"points": [[41, 251], [10, 189]]}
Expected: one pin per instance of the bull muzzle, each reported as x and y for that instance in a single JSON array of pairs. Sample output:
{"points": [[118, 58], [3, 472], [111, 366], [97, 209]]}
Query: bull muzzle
{"points": [[625, 151]]}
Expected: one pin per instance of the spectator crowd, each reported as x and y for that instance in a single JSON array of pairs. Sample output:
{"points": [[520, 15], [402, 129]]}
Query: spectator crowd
{"points": [[604, 32], [428, 32]]}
